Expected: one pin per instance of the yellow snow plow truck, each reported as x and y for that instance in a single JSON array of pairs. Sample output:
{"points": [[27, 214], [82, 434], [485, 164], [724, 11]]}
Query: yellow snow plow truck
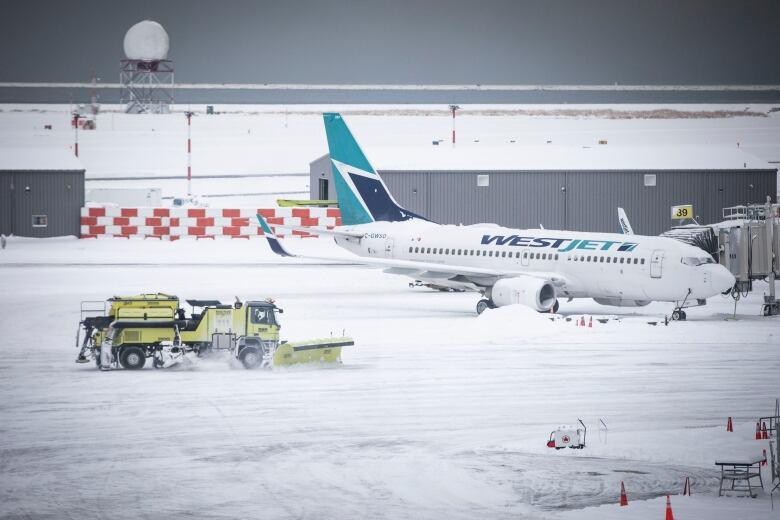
{"points": [[126, 330]]}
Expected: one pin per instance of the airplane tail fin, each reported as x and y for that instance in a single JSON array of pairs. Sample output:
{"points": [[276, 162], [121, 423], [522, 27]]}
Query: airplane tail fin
{"points": [[363, 196]]}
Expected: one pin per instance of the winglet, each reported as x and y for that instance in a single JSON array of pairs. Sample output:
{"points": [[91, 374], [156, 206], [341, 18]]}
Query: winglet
{"points": [[273, 242], [624, 226]]}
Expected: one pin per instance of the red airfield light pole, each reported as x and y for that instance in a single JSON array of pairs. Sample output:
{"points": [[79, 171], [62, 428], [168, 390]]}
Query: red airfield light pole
{"points": [[76, 131], [189, 152]]}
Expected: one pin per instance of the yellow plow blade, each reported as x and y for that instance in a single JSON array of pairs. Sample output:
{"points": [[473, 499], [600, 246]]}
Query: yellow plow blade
{"points": [[311, 351]]}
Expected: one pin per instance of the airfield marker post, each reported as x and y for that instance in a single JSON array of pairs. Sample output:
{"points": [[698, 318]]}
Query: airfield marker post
{"points": [[189, 152]]}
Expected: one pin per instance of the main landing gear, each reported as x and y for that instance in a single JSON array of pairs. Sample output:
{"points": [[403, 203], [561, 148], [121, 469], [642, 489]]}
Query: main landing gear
{"points": [[485, 304]]}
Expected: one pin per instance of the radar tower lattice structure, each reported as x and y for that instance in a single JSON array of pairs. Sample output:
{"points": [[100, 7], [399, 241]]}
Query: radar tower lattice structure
{"points": [[146, 75]]}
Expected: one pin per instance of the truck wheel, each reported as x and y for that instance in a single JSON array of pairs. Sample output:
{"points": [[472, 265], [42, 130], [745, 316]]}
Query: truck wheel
{"points": [[250, 357], [132, 358], [482, 306]]}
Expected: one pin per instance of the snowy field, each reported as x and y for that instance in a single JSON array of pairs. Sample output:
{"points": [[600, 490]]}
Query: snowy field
{"points": [[435, 413], [246, 139]]}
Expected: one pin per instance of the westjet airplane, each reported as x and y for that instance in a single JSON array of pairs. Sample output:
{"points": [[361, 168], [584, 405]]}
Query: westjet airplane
{"points": [[533, 267]]}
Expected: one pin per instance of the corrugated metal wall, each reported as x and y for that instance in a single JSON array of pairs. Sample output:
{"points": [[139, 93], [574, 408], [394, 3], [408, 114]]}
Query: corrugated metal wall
{"points": [[582, 201], [57, 194], [575, 200], [6, 203], [320, 169]]}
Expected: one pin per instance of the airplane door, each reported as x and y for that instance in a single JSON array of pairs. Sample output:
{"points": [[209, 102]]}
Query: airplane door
{"points": [[389, 243], [524, 257], [656, 263]]}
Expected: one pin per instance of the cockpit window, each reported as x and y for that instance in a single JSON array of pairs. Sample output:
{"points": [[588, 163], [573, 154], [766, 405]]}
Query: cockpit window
{"points": [[694, 260]]}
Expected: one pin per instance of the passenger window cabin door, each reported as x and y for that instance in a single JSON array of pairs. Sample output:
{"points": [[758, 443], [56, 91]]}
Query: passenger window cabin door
{"points": [[524, 260]]}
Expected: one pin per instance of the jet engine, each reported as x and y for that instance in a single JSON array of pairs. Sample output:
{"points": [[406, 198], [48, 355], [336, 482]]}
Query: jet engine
{"points": [[532, 292], [620, 302]]}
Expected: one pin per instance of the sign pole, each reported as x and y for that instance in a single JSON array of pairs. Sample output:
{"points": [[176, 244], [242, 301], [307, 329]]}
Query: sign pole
{"points": [[453, 108]]}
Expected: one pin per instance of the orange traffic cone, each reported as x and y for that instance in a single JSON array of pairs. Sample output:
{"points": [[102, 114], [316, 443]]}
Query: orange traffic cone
{"points": [[763, 462], [590, 323], [758, 431], [623, 497], [764, 434], [687, 487], [669, 514], [729, 426]]}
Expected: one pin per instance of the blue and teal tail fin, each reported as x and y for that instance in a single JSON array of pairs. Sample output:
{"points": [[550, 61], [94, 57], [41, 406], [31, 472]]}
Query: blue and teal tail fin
{"points": [[363, 196]]}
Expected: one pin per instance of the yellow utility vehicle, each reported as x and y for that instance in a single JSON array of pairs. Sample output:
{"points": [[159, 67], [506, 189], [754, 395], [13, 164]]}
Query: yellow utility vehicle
{"points": [[127, 330]]}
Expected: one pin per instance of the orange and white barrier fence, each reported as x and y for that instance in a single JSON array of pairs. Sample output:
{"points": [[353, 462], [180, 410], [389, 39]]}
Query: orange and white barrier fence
{"points": [[177, 223]]}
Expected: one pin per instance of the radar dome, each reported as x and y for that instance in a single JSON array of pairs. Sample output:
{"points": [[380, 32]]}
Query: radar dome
{"points": [[146, 41]]}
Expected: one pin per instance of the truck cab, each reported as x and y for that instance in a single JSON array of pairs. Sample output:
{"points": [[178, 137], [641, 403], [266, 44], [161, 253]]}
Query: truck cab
{"points": [[261, 320], [250, 330]]}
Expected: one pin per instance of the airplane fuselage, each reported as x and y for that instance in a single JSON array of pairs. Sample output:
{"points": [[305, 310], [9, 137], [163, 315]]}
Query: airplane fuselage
{"points": [[596, 265]]}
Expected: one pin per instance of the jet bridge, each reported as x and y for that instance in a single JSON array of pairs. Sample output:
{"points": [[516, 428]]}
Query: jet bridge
{"points": [[749, 247]]}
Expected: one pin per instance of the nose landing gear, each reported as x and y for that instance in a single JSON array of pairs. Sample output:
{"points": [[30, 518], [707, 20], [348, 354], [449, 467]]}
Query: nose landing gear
{"points": [[679, 314]]}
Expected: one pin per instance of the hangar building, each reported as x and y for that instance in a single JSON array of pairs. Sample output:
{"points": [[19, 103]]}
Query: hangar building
{"points": [[41, 192], [563, 187]]}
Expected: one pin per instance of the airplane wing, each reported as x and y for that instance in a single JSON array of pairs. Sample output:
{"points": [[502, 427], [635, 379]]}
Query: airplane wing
{"points": [[429, 271]]}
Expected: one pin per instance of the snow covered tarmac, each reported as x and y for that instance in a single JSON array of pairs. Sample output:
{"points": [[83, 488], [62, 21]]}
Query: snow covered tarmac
{"points": [[435, 413]]}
